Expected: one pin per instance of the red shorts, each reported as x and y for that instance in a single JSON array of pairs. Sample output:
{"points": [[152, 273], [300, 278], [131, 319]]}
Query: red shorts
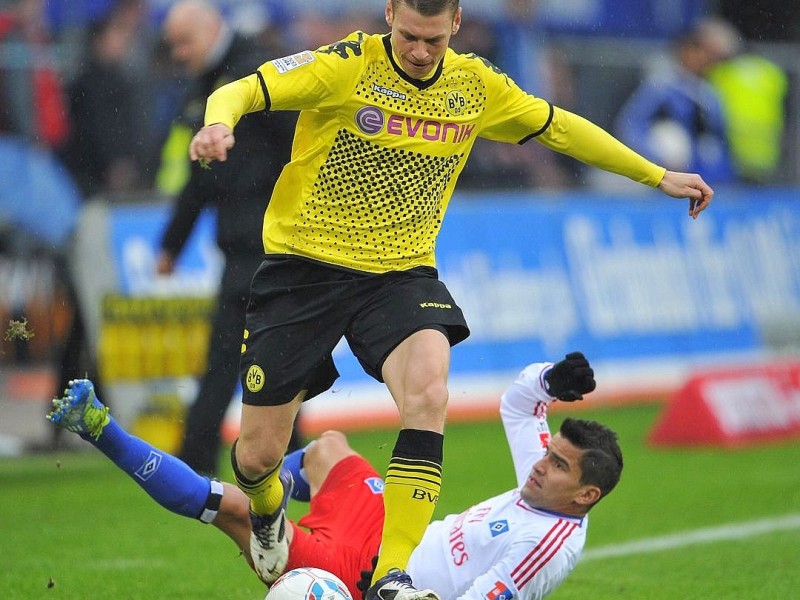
{"points": [[344, 524]]}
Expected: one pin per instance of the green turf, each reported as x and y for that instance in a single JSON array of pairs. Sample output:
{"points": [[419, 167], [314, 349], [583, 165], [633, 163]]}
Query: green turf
{"points": [[73, 527]]}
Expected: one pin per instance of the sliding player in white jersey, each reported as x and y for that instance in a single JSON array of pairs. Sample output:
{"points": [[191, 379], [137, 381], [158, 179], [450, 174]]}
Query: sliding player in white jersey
{"points": [[520, 544]]}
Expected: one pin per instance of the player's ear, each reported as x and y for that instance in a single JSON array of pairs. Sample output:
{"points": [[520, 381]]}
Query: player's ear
{"points": [[456, 22], [588, 495], [388, 13]]}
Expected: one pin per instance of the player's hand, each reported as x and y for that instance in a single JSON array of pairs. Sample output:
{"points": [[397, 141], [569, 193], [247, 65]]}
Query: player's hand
{"points": [[571, 378], [688, 185], [365, 582], [212, 142]]}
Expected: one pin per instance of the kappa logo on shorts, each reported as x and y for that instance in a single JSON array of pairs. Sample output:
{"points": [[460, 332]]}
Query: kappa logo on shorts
{"points": [[434, 305], [255, 378], [375, 484]]}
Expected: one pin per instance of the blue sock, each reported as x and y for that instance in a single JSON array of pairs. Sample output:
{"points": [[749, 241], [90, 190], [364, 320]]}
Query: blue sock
{"points": [[168, 480], [294, 463]]}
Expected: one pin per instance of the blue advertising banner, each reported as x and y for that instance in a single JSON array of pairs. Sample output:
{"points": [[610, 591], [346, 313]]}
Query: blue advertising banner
{"points": [[135, 232], [619, 277]]}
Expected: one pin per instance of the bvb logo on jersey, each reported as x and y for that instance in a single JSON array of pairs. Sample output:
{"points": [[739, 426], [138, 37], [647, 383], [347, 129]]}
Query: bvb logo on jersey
{"points": [[455, 103], [255, 378]]}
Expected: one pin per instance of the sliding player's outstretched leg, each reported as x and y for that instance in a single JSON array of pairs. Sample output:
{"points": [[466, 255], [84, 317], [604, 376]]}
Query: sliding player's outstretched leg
{"points": [[167, 479]]}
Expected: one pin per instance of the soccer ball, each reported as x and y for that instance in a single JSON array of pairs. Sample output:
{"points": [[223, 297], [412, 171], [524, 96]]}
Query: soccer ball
{"points": [[308, 583]]}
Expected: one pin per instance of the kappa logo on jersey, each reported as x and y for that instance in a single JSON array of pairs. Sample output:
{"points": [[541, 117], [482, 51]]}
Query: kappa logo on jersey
{"points": [[288, 63], [388, 92], [500, 591], [149, 467], [375, 484], [498, 527]]}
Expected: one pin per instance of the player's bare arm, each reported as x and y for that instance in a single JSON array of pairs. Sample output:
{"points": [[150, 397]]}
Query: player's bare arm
{"points": [[688, 185], [212, 142]]}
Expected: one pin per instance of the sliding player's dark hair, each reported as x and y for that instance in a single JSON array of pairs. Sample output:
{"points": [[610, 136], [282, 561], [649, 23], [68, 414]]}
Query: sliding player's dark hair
{"points": [[601, 462]]}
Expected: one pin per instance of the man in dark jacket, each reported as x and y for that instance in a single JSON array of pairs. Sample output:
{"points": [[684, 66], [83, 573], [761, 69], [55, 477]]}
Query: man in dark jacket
{"points": [[239, 189]]}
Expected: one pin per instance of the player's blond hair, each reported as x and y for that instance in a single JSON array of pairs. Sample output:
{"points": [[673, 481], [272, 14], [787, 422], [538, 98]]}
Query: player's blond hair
{"points": [[428, 8]]}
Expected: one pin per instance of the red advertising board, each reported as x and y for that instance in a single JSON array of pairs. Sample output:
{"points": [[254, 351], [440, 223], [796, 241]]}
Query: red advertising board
{"points": [[733, 407]]}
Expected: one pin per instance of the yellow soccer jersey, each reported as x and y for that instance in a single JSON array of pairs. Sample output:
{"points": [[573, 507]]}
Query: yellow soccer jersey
{"points": [[376, 154]]}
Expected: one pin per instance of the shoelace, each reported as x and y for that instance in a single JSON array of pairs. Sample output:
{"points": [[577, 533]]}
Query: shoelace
{"points": [[95, 418], [264, 532]]}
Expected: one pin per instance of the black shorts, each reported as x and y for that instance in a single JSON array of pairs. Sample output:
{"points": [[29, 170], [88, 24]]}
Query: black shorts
{"points": [[300, 309]]}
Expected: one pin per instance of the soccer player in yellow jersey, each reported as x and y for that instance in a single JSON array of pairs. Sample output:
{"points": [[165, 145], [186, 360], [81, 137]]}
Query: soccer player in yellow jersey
{"points": [[386, 125]]}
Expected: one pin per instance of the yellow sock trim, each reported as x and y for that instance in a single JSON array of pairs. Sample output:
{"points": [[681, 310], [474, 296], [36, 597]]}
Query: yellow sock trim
{"points": [[409, 497], [265, 493]]}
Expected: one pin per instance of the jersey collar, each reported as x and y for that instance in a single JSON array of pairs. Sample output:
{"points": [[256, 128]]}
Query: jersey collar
{"points": [[550, 513], [421, 84]]}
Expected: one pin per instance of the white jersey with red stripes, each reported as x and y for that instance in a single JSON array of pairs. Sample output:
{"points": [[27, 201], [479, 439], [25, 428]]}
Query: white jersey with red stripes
{"points": [[503, 548]]}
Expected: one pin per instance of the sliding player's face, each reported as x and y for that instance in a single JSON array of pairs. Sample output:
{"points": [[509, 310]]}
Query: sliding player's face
{"points": [[420, 41], [554, 482]]}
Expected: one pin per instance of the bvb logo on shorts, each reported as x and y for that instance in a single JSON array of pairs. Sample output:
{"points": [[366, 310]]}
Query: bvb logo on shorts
{"points": [[455, 102], [255, 378]]}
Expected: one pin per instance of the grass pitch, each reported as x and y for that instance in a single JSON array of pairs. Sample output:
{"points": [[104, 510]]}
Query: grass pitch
{"points": [[73, 527]]}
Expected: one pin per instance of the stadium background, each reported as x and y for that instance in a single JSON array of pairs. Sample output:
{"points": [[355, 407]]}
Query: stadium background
{"points": [[692, 323], [602, 266]]}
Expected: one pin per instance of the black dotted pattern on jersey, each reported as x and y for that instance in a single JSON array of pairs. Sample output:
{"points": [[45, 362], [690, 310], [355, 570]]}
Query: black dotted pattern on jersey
{"points": [[374, 204]]}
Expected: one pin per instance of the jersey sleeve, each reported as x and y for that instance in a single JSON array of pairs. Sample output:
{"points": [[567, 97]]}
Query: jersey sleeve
{"points": [[315, 79], [229, 103], [513, 115], [523, 410], [321, 79], [581, 139]]}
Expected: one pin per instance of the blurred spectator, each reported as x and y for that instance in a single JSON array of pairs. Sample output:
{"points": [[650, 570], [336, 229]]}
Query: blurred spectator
{"points": [[104, 148], [675, 117], [32, 101], [240, 188], [518, 45], [753, 91]]}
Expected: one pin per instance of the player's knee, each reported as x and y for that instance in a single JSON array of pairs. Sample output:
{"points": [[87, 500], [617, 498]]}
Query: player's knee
{"points": [[327, 450], [330, 443], [427, 407], [254, 461]]}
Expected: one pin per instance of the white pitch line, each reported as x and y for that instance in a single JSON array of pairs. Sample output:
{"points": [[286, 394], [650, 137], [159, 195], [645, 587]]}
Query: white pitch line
{"points": [[735, 531]]}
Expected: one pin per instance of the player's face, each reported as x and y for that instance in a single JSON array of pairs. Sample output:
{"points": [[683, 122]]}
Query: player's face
{"points": [[554, 482], [420, 41]]}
